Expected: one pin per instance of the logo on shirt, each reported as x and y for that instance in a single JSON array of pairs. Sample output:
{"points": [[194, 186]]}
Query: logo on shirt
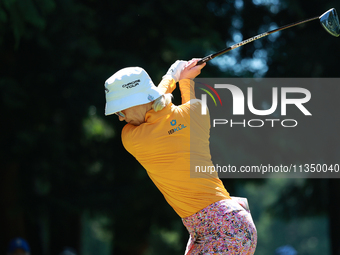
{"points": [[178, 128]]}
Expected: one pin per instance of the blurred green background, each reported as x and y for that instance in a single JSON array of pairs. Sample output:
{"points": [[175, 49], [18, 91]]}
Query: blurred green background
{"points": [[65, 177]]}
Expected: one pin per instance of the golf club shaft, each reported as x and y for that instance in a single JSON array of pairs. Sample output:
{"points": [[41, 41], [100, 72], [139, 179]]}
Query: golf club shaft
{"points": [[211, 56]]}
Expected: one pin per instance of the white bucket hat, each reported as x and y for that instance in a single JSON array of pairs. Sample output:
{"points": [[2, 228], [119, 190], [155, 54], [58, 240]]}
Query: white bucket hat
{"points": [[129, 87]]}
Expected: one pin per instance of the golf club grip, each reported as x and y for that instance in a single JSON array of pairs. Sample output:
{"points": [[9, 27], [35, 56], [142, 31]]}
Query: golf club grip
{"points": [[205, 59]]}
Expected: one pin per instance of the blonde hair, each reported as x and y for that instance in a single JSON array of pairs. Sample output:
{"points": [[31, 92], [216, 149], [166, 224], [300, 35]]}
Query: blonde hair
{"points": [[161, 102]]}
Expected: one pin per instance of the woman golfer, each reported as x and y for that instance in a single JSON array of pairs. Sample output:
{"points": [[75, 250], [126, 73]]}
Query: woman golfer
{"points": [[167, 139]]}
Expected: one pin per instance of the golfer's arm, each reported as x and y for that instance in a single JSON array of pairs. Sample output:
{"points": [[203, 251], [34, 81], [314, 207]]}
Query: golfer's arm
{"points": [[187, 87], [167, 85]]}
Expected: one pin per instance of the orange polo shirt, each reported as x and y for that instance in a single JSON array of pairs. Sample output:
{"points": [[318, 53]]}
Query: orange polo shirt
{"points": [[170, 144]]}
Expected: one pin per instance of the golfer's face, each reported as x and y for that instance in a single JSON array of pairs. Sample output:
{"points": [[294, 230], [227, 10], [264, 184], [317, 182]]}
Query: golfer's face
{"points": [[133, 115]]}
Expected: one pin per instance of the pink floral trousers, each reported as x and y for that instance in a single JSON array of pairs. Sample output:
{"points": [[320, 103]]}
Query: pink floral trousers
{"points": [[224, 227]]}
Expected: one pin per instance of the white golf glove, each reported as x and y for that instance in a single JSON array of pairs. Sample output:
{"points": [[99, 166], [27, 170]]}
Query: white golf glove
{"points": [[175, 70]]}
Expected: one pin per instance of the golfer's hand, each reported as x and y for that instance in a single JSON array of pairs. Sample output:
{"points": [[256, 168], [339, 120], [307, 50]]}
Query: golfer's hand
{"points": [[190, 70]]}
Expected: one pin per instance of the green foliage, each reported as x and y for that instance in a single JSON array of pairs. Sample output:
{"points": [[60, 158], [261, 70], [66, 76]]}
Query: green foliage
{"points": [[305, 234], [19, 16]]}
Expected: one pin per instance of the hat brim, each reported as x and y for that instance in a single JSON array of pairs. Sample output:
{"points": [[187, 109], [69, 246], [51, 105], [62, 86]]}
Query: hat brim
{"points": [[133, 100]]}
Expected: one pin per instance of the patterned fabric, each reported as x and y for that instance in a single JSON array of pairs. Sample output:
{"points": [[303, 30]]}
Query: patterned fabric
{"points": [[224, 227]]}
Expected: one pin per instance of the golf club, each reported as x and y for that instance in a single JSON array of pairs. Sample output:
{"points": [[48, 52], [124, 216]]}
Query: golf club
{"points": [[329, 20]]}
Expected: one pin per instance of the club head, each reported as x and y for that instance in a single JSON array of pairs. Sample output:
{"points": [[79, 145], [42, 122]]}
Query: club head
{"points": [[330, 21]]}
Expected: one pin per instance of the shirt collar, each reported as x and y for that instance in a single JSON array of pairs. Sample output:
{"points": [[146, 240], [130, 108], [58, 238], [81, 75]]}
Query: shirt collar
{"points": [[152, 116]]}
